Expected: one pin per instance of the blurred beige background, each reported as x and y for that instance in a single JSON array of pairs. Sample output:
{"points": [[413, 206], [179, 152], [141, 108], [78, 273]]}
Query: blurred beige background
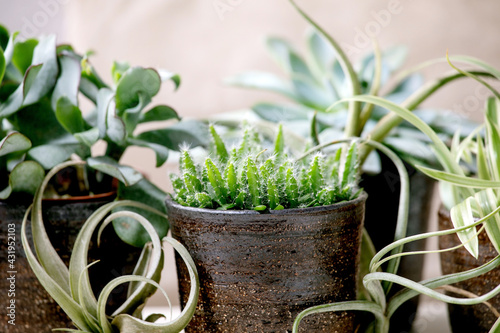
{"points": [[207, 40]]}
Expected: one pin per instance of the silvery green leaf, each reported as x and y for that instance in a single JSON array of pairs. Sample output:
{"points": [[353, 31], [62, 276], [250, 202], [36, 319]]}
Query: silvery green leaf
{"points": [[44, 55], [14, 142], [159, 113], [68, 82], [135, 81], [461, 215], [123, 173], [69, 115], [262, 81], [189, 132]]}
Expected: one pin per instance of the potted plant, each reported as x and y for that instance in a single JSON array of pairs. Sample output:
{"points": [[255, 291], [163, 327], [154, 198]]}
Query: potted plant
{"points": [[326, 75], [41, 125], [473, 202], [270, 235], [71, 287]]}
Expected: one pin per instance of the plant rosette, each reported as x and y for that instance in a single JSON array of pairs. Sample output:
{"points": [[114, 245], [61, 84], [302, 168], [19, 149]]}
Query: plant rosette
{"points": [[70, 286]]}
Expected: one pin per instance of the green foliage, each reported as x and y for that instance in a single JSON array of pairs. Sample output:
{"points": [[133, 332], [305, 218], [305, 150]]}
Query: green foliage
{"points": [[70, 286], [250, 177]]}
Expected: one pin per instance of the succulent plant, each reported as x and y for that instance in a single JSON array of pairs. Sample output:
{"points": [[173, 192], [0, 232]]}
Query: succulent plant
{"points": [[42, 123], [250, 177]]}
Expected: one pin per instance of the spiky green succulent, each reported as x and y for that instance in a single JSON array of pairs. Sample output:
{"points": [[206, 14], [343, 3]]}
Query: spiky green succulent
{"points": [[251, 177]]}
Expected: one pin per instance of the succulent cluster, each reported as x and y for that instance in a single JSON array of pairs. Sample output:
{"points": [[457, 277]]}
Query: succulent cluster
{"points": [[250, 177]]}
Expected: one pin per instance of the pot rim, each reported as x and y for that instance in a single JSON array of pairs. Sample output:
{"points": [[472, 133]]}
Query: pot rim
{"points": [[169, 201]]}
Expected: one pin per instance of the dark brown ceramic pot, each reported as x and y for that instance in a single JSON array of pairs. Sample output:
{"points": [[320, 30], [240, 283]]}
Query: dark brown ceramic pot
{"points": [[469, 318], [35, 311], [258, 271]]}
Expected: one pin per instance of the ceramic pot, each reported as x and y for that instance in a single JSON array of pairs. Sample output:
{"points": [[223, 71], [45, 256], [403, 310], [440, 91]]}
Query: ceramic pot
{"points": [[259, 270], [35, 310], [380, 222], [469, 318]]}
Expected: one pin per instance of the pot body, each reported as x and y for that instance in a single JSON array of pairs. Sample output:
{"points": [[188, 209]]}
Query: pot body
{"points": [[35, 311], [380, 222], [469, 318], [259, 271]]}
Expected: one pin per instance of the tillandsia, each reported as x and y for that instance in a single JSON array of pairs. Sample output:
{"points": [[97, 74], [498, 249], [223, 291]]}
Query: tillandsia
{"points": [[71, 288], [251, 177]]}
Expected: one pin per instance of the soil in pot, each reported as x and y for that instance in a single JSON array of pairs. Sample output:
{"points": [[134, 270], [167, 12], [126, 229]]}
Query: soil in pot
{"points": [[469, 318], [258, 271], [380, 222], [35, 310]]}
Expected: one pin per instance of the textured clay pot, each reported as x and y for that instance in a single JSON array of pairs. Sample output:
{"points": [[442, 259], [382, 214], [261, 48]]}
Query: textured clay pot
{"points": [[35, 310], [258, 271], [380, 222], [469, 318]]}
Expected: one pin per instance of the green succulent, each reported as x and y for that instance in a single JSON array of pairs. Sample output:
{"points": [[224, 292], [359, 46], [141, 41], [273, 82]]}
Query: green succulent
{"points": [[251, 177], [42, 124]]}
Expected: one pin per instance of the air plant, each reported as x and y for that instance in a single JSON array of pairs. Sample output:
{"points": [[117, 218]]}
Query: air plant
{"points": [[70, 287], [250, 177]]}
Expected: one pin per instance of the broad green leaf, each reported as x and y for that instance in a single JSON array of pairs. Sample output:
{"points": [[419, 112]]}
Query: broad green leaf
{"points": [[118, 69], [2, 65], [322, 53], [69, 115], [262, 81], [136, 80], [4, 37], [26, 177], [123, 173], [104, 98], [14, 142], [51, 155], [161, 152], [30, 78], [115, 126], [13, 103], [88, 138], [277, 113], [68, 81], [166, 75], [45, 55], [147, 193], [22, 56], [35, 120], [461, 215], [190, 132], [159, 113]]}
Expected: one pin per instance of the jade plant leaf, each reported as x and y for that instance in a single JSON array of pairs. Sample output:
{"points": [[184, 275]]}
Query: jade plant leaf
{"points": [[159, 113], [173, 137], [68, 81], [123, 173], [146, 192], [44, 55], [14, 142], [51, 155], [22, 56], [69, 115], [136, 80], [25, 177], [161, 152]]}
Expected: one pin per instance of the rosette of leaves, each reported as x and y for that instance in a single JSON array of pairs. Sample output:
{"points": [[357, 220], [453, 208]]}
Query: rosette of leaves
{"points": [[250, 177], [42, 124], [70, 286], [313, 83]]}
